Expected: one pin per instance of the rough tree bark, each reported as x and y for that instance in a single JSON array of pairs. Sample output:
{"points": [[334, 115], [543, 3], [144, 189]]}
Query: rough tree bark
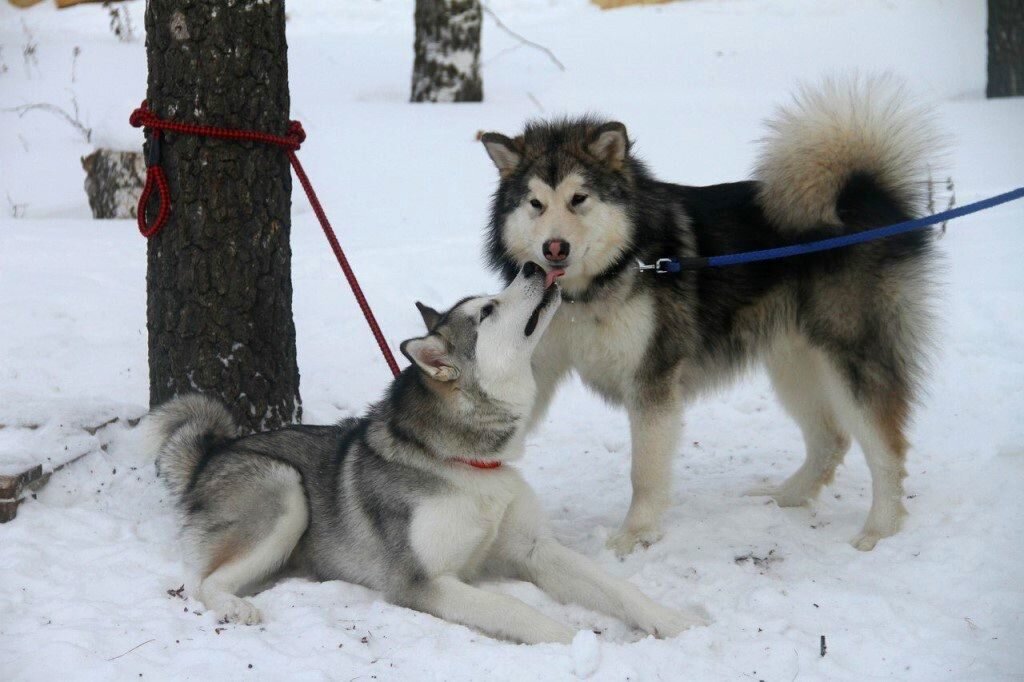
{"points": [[219, 292], [1005, 48], [447, 47]]}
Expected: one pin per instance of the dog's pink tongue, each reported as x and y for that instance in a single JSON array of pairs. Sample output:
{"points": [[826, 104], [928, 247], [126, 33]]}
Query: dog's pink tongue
{"points": [[552, 275]]}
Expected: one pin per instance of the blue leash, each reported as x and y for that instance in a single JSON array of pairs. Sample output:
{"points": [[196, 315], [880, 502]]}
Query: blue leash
{"points": [[669, 265]]}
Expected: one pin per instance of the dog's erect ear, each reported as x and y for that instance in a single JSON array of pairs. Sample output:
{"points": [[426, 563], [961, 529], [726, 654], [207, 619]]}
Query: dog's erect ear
{"points": [[430, 316], [609, 143], [430, 354], [503, 152]]}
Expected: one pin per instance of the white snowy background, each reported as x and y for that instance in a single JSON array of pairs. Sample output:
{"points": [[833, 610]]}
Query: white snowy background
{"points": [[86, 567]]}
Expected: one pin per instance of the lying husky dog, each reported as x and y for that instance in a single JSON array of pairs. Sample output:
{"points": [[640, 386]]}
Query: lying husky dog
{"points": [[841, 332], [413, 499]]}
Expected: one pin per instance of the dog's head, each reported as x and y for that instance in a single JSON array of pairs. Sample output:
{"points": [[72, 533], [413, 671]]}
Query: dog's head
{"points": [[563, 199], [484, 344]]}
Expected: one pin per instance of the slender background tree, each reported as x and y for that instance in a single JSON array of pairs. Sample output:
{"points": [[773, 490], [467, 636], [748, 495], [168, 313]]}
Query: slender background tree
{"points": [[1005, 48], [219, 292], [447, 46]]}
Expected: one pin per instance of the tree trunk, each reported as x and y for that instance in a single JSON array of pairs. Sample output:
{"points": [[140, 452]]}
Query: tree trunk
{"points": [[113, 182], [219, 292], [1005, 48], [447, 66]]}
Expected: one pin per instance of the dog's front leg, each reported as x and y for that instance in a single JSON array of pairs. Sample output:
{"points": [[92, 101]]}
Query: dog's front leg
{"points": [[571, 577], [446, 534], [654, 431], [550, 366], [497, 615], [525, 549]]}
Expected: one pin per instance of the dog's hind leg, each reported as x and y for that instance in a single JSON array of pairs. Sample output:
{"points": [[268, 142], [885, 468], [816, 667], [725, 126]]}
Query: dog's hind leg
{"points": [[874, 405], [799, 375], [879, 430], [269, 518]]}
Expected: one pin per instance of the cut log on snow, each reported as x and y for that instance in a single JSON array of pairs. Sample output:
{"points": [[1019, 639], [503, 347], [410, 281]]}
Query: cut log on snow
{"points": [[13, 489], [23, 470], [113, 182]]}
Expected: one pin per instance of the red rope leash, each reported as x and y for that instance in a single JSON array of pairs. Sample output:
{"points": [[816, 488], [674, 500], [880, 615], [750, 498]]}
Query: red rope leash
{"points": [[290, 142]]}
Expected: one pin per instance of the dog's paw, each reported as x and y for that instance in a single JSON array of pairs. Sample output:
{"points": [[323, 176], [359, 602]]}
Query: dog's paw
{"points": [[236, 610], [670, 622], [628, 539], [865, 542], [878, 526], [784, 496]]}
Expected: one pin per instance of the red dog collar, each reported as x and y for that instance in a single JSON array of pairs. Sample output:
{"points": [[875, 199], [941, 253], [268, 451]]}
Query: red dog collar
{"points": [[478, 463]]}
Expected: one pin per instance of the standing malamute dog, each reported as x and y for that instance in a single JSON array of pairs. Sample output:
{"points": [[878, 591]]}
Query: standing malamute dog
{"points": [[412, 499], [841, 332]]}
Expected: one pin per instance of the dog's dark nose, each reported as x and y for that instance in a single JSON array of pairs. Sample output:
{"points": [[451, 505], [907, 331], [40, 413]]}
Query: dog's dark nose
{"points": [[530, 269], [556, 250]]}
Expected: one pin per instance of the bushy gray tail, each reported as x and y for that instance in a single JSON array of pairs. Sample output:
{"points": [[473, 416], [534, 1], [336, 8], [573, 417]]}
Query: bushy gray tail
{"points": [[180, 432], [835, 131]]}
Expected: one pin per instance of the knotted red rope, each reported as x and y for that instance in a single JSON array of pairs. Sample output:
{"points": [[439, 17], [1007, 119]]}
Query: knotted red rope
{"points": [[290, 142]]}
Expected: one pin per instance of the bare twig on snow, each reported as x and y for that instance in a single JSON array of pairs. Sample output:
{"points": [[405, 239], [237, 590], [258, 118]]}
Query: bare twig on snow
{"points": [[74, 62], [17, 210], [74, 119], [131, 650], [525, 41], [28, 50]]}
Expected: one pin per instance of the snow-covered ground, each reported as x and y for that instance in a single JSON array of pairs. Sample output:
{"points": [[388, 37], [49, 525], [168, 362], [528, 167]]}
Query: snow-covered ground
{"points": [[86, 569]]}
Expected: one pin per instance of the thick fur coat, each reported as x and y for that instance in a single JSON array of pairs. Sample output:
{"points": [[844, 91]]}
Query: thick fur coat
{"points": [[843, 333]]}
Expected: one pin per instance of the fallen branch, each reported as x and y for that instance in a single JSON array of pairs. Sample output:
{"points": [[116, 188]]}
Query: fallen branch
{"points": [[17, 210], [520, 38], [56, 111], [950, 190], [131, 650]]}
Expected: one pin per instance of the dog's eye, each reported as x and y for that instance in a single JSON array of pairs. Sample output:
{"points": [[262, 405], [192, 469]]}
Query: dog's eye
{"points": [[578, 199], [485, 311], [536, 204]]}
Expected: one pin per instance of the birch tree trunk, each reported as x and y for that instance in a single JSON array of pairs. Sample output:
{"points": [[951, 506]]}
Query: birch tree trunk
{"points": [[113, 182], [1005, 48], [219, 291], [447, 46]]}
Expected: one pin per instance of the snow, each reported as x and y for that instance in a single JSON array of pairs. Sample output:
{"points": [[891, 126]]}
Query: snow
{"points": [[586, 653], [85, 569]]}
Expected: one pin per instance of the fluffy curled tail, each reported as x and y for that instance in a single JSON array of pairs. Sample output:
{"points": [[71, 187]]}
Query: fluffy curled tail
{"points": [[181, 431], [856, 131]]}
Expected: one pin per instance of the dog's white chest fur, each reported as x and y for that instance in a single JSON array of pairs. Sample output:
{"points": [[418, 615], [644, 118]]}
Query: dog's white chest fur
{"points": [[453, 533], [603, 342]]}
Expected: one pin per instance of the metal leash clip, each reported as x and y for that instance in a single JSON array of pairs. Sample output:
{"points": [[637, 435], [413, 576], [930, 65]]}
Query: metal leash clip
{"points": [[660, 266]]}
